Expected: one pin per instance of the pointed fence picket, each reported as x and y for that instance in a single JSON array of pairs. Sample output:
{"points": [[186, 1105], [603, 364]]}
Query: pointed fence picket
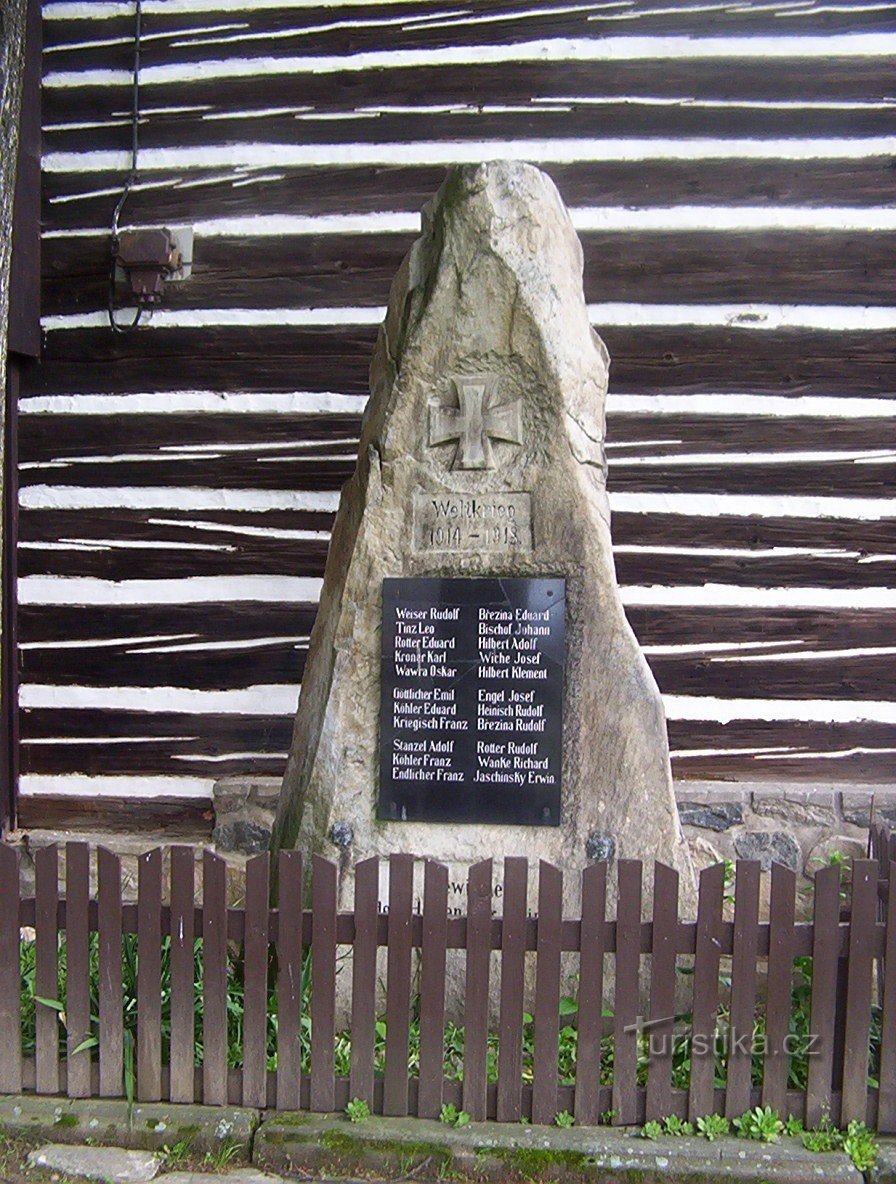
{"points": [[674, 985]]}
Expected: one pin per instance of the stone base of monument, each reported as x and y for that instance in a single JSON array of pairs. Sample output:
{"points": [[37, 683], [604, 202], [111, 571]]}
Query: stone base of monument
{"points": [[473, 688]]}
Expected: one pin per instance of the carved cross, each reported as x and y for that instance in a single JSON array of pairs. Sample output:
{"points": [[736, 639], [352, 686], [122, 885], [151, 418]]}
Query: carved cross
{"points": [[475, 422]]}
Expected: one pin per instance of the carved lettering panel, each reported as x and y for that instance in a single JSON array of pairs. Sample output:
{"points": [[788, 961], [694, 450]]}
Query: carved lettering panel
{"points": [[487, 524]]}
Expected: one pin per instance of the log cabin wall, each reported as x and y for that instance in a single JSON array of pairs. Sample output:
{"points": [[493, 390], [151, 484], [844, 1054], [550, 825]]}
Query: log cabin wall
{"points": [[730, 169]]}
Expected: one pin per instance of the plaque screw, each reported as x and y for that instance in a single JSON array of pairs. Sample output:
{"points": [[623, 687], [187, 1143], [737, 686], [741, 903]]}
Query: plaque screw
{"points": [[341, 834], [600, 847]]}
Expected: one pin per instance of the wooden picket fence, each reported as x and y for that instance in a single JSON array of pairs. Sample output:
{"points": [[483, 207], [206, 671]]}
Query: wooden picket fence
{"points": [[730, 962]]}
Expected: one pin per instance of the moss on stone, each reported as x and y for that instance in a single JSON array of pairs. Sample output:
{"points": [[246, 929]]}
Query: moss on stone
{"points": [[359, 1149], [535, 1163], [291, 1118], [66, 1120]]}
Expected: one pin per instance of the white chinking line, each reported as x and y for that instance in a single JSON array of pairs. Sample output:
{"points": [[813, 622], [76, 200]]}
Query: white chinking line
{"points": [[560, 49], [585, 219], [705, 505], [83, 591], [67, 10], [312, 402], [450, 152], [93, 10], [281, 699], [750, 316]]}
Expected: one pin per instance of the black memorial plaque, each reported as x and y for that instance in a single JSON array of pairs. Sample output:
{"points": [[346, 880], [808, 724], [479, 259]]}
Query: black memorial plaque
{"points": [[471, 708]]}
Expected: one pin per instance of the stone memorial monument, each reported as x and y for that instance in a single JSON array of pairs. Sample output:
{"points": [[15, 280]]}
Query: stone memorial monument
{"points": [[473, 688]]}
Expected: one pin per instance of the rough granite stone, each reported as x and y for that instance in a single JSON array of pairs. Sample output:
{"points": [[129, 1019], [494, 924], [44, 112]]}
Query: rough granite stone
{"points": [[716, 817], [833, 845], [856, 808], [493, 285], [775, 846], [242, 835], [112, 1164], [799, 808]]}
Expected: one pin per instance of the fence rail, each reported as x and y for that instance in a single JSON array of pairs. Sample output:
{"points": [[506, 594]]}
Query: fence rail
{"points": [[204, 1002]]}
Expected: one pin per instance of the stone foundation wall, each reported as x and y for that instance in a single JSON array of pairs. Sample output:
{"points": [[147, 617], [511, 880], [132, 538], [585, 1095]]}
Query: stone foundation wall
{"points": [[800, 828]]}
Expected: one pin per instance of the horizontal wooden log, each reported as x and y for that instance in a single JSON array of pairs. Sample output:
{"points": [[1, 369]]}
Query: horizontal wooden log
{"points": [[646, 358], [110, 546], [655, 625], [320, 32], [145, 758], [465, 79], [208, 733], [299, 472], [173, 819], [72, 199], [817, 629], [611, 120], [656, 434], [178, 665], [345, 270], [851, 677]]}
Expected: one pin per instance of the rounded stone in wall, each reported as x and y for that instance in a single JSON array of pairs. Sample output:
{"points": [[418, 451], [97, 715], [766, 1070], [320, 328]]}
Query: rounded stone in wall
{"points": [[769, 846], [830, 848]]}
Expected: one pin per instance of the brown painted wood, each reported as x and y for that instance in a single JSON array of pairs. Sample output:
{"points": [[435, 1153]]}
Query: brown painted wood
{"points": [[661, 1017], [776, 1063], [513, 972], [547, 992], [10, 974], [625, 1021], [111, 1049], [744, 975], [717, 98], [149, 975], [24, 329], [274, 32], [255, 981], [476, 999], [848, 677], [862, 930], [681, 360], [364, 964], [290, 963], [183, 1037], [342, 189], [176, 818], [246, 272], [214, 980], [432, 989], [77, 969], [323, 984], [886, 1090], [10, 716], [46, 976], [398, 984], [825, 959], [591, 989], [706, 991]]}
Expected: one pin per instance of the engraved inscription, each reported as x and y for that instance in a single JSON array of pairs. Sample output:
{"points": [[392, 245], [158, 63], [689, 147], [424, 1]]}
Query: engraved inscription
{"points": [[477, 419], [471, 700], [487, 523]]}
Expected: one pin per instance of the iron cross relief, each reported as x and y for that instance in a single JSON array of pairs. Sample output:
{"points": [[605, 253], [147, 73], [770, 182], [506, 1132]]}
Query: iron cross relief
{"points": [[475, 422]]}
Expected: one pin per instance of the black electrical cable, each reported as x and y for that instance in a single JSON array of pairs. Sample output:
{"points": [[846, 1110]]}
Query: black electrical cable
{"points": [[132, 176]]}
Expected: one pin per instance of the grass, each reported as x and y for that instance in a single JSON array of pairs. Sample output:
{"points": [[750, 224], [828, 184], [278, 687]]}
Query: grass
{"points": [[453, 1036]]}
